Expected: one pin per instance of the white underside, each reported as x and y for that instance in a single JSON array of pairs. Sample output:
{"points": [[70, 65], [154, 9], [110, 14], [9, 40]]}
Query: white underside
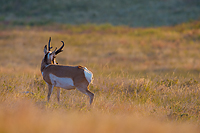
{"points": [[66, 83], [88, 75]]}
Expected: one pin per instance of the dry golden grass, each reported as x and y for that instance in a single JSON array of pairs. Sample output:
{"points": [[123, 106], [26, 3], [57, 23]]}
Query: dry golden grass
{"points": [[146, 80]]}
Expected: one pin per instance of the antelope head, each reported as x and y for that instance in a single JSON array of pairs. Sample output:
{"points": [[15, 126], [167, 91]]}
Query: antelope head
{"points": [[50, 57]]}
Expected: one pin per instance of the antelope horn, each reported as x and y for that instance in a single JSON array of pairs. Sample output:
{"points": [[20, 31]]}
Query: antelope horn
{"points": [[49, 45], [60, 49]]}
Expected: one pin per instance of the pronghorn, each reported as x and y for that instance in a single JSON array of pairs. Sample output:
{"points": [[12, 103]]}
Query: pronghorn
{"points": [[67, 77]]}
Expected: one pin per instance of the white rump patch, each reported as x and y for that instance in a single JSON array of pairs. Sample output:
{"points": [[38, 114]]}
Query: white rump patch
{"points": [[66, 83], [88, 75]]}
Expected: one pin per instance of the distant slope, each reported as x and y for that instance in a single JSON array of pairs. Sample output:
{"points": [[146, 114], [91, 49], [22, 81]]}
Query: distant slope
{"points": [[135, 13]]}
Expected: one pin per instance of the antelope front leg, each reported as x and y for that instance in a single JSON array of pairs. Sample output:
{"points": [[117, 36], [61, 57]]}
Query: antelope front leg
{"points": [[58, 94], [50, 88]]}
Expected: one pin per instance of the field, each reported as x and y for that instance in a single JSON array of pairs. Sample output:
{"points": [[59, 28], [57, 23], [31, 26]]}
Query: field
{"points": [[145, 79]]}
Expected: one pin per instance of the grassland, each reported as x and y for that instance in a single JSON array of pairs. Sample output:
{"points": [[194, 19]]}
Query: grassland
{"points": [[146, 79]]}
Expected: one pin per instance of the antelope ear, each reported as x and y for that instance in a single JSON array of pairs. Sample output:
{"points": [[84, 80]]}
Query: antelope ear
{"points": [[52, 56], [54, 52], [45, 49]]}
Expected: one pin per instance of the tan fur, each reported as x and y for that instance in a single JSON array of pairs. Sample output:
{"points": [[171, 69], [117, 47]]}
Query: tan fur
{"points": [[73, 72]]}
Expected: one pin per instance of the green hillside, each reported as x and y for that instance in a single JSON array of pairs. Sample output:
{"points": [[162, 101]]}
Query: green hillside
{"points": [[135, 13]]}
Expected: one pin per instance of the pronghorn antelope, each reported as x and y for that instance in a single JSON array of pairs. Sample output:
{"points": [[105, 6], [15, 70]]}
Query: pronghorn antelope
{"points": [[67, 77]]}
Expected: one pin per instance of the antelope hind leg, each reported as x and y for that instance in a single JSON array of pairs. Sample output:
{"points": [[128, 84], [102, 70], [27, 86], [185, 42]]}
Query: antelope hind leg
{"points": [[58, 94], [87, 92]]}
